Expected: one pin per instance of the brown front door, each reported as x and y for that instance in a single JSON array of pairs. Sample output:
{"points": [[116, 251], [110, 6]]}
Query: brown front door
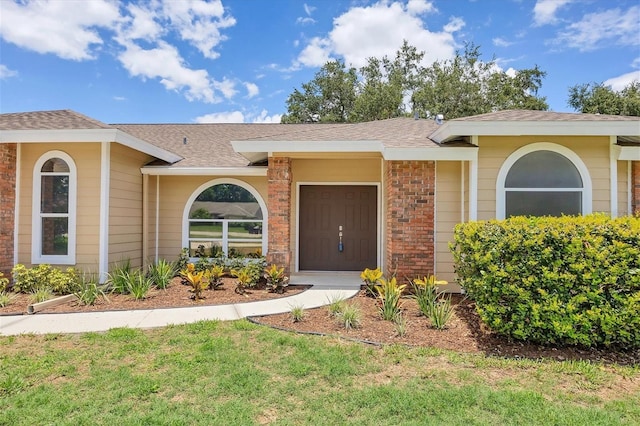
{"points": [[328, 210]]}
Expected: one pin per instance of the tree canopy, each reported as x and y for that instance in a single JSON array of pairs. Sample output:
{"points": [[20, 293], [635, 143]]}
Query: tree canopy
{"points": [[393, 87], [594, 98]]}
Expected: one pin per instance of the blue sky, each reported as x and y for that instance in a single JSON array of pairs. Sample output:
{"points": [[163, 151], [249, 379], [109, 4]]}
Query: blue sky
{"points": [[185, 61]]}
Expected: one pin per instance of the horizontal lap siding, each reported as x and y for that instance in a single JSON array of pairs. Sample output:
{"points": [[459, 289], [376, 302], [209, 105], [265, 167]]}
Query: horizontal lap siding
{"points": [[87, 160], [448, 215], [494, 150], [623, 188], [125, 205]]}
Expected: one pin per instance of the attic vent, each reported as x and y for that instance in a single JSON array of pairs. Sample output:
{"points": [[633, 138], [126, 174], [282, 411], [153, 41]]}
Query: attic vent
{"points": [[184, 140]]}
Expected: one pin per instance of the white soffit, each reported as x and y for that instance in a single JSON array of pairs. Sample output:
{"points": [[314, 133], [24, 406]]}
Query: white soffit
{"points": [[87, 135], [542, 128], [431, 154], [631, 153]]}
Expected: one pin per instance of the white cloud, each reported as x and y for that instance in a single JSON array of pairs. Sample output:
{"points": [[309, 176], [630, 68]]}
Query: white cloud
{"points": [[252, 90], [378, 30], [418, 7], [199, 22], [264, 118], [611, 27], [221, 117], [305, 20], [165, 63], [227, 87], [620, 82], [119, 98], [142, 24], [58, 27], [308, 9], [500, 42], [5, 72], [544, 12]]}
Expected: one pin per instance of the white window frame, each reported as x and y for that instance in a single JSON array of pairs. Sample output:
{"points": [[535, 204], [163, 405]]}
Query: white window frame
{"points": [[225, 236], [36, 223], [586, 189]]}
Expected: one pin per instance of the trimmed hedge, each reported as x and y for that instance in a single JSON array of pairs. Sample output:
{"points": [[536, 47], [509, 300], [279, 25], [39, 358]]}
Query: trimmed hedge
{"points": [[565, 281]]}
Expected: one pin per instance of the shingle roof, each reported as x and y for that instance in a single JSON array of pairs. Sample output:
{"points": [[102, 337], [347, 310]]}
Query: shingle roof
{"points": [[528, 115], [48, 120]]}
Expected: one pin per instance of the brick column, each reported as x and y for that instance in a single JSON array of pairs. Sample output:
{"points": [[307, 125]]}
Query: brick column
{"points": [[279, 205], [410, 198], [635, 187], [7, 205]]}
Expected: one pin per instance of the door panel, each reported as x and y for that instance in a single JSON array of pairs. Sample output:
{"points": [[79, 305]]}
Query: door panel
{"points": [[323, 209]]}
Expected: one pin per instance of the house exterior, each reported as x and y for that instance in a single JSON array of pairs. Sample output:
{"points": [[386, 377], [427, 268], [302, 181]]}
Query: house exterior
{"points": [[311, 197]]}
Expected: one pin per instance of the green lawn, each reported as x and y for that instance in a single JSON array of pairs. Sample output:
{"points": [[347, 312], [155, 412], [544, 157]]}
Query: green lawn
{"points": [[235, 373]]}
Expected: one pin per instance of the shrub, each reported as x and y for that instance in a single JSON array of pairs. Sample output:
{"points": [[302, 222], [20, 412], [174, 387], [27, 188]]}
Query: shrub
{"points": [[245, 279], [568, 280], [90, 291], [389, 294], [336, 305], [441, 312], [137, 284], [297, 313], [6, 298], [29, 280], [161, 273], [41, 294], [214, 276], [4, 282], [197, 282], [426, 293], [118, 277], [276, 280]]}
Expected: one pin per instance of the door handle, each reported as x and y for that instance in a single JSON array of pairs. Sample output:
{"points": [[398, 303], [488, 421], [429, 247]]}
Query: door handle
{"points": [[340, 244]]}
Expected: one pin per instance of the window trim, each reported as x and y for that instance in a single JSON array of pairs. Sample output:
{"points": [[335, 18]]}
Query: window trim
{"points": [[586, 189], [225, 241], [36, 219]]}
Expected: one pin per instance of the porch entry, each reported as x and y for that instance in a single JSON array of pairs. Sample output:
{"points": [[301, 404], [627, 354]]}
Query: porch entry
{"points": [[338, 227]]}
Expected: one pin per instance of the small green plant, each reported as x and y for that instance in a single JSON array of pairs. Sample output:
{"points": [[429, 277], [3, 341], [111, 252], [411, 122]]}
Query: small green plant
{"points": [[400, 325], [214, 276], [350, 317], [198, 283], [138, 284], [90, 291], [297, 313], [118, 277], [389, 293], [245, 279], [4, 282], [370, 277], [183, 259], [441, 313], [161, 273], [6, 298], [426, 293], [336, 305], [41, 294], [277, 282]]}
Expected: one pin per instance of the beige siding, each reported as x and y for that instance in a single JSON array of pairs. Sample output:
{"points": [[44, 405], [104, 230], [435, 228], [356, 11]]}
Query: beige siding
{"points": [[87, 160], [125, 205], [494, 150], [448, 214], [174, 194], [623, 188], [328, 171]]}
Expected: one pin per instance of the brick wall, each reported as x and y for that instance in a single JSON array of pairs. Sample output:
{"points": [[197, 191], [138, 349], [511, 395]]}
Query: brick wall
{"points": [[635, 187], [279, 205], [410, 188], [7, 205]]}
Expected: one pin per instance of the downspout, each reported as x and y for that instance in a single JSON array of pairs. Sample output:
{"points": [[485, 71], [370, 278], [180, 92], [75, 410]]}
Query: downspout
{"points": [[462, 188], [629, 189], [103, 249], [145, 220], [16, 203], [473, 184]]}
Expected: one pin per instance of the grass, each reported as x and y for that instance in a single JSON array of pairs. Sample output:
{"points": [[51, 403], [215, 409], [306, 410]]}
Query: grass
{"points": [[217, 373]]}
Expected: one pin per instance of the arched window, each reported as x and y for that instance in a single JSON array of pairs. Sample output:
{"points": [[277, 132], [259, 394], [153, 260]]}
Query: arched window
{"points": [[54, 210], [543, 179], [225, 218]]}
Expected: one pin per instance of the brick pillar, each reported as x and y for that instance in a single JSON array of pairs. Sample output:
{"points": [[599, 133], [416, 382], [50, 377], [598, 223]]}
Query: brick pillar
{"points": [[279, 205], [410, 198], [7, 205], [635, 187]]}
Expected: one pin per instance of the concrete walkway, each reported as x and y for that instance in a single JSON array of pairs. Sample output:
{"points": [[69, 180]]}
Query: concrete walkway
{"points": [[325, 287]]}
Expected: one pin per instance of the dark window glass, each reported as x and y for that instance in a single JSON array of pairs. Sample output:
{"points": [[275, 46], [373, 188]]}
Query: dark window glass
{"points": [[56, 165], [543, 169], [521, 203], [55, 194], [55, 236], [226, 201]]}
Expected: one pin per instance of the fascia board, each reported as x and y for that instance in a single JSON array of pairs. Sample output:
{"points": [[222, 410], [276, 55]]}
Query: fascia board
{"points": [[254, 147], [204, 171], [628, 153], [431, 154], [87, 135], [542, 128]]}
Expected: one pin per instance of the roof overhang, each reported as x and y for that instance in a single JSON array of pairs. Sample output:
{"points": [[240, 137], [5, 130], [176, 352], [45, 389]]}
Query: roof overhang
{"points": [[257, 151], [453, 129], [204, 171], [87, 135], [627, 153]]}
